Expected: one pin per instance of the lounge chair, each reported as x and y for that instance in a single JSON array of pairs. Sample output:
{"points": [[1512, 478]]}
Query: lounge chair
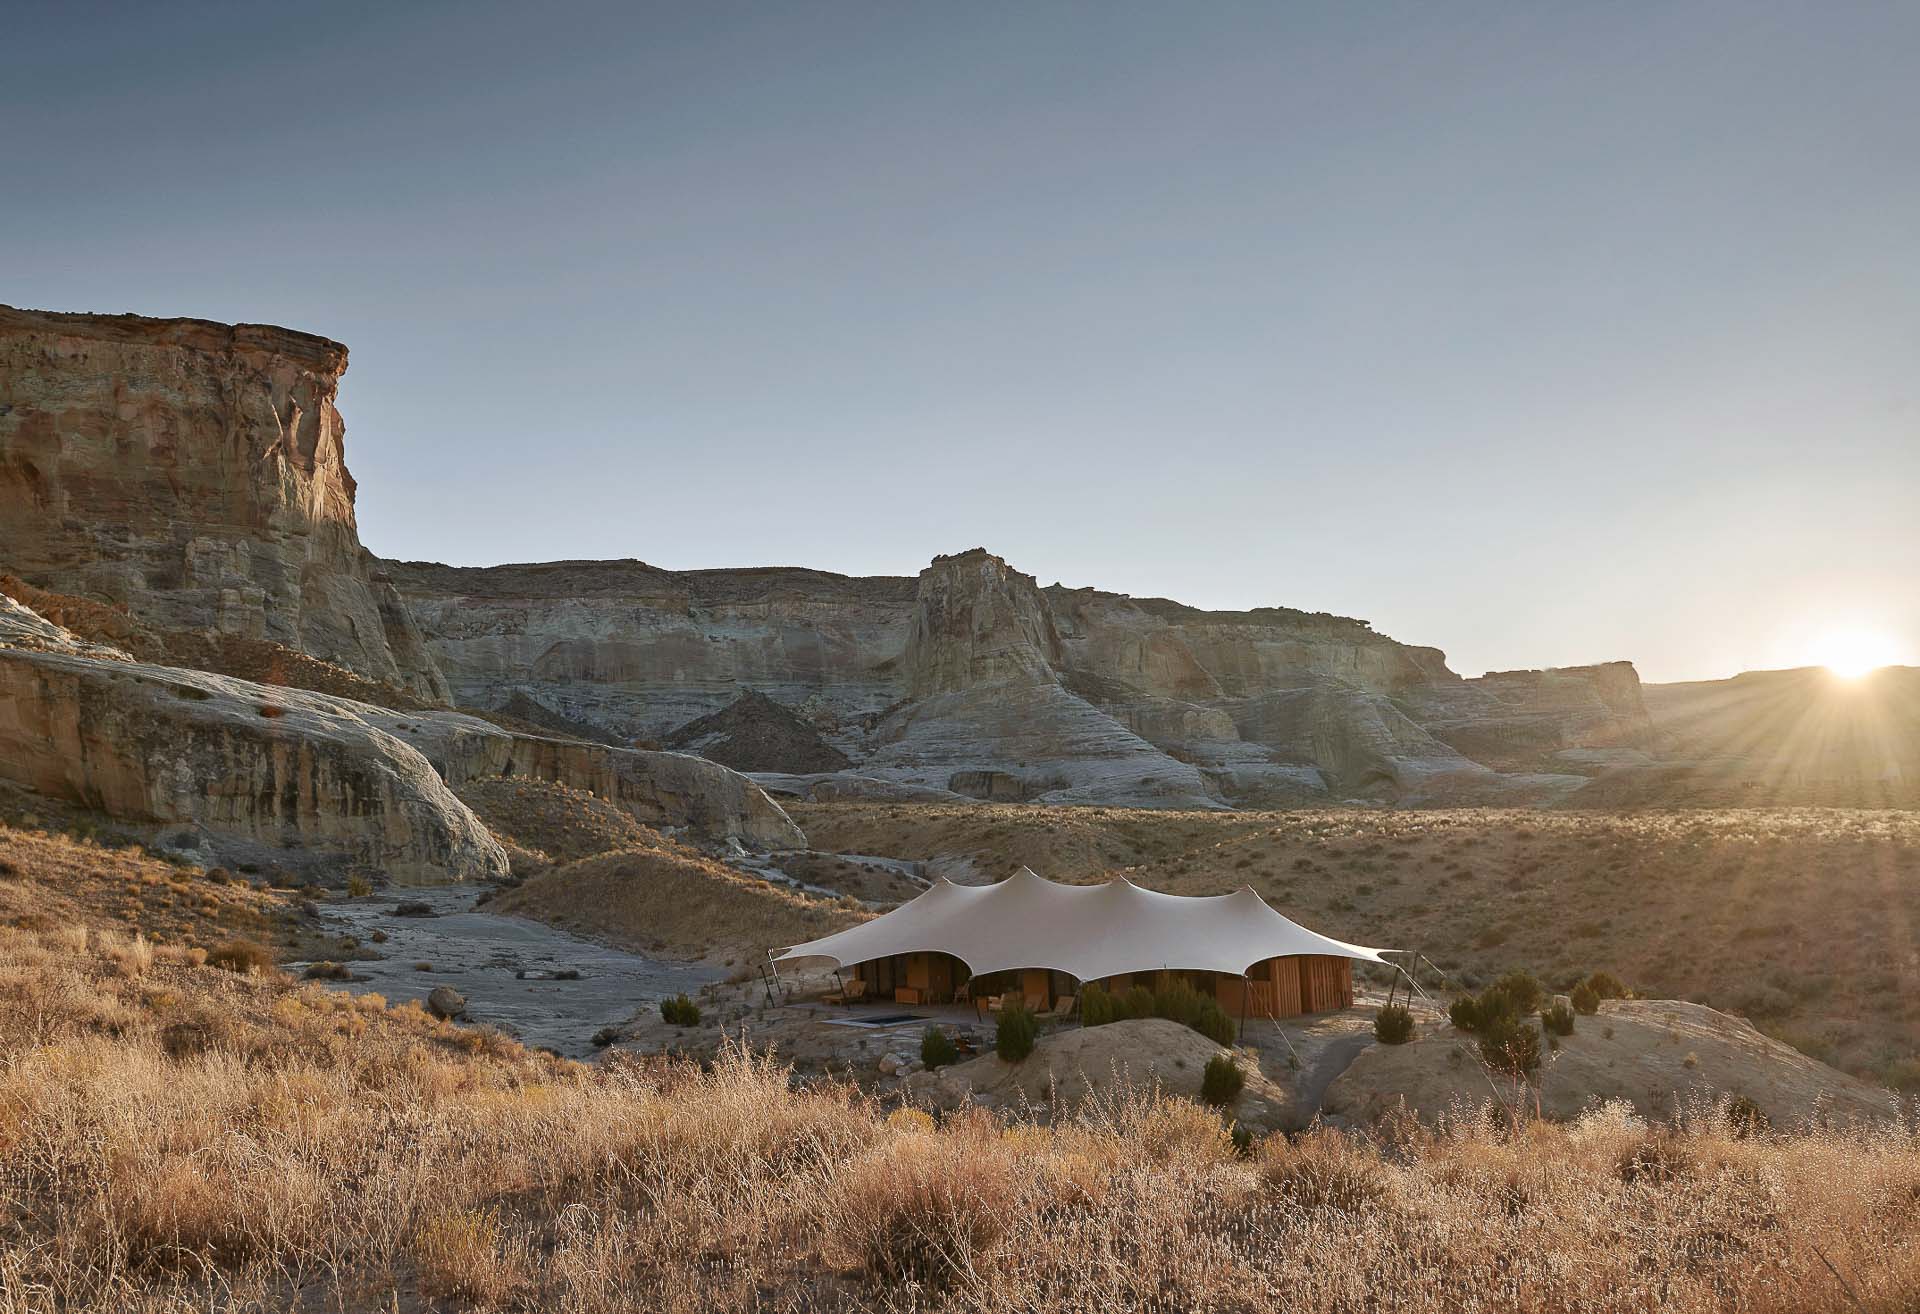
{"points": [[1062, 1009], [852, 992]]}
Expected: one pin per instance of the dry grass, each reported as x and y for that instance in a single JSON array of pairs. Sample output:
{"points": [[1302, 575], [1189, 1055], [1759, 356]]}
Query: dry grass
{"points": [[50, 880], [190, 1139], [556, 821], [1804, 920], [673, 901]]}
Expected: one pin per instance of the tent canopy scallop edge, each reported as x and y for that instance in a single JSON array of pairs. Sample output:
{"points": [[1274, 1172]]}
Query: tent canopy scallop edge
{"points": [[1086, 931]]}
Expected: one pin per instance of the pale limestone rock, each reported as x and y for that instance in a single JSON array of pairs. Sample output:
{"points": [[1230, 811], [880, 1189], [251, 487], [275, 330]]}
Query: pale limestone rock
{"points": [[973, 679], [253, 764]]}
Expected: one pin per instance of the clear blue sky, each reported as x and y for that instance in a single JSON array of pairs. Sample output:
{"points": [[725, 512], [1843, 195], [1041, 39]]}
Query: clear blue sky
{"points": [[1542, 334]]}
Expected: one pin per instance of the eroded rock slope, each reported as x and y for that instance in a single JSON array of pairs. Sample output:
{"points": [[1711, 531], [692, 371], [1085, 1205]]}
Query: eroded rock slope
{"points": [[973, 679]]}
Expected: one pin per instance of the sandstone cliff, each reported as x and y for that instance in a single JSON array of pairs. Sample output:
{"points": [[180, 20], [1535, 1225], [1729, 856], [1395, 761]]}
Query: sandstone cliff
{"points": [[974, 679], [195, 473], [274, 774], [256, 770]]}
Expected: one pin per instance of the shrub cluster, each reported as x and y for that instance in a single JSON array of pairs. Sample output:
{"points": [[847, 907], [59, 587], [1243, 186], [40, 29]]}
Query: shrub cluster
{"points": [[937, 1048], [1393, 1024], [1586, 1000], [1608, 986], [1174, 1000], [1557, 1021], [1515, 995], [1222, 1082], [1510, 1044], [1018, 1029], [680, 1011]]}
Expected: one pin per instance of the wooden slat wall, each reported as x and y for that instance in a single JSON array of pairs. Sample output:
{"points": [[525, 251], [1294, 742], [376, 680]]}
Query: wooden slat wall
{"points": [[1325, 983]]}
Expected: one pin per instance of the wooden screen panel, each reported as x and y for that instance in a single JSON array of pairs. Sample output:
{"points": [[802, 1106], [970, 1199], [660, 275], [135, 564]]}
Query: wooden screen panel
{"points": [[1326, 983], [1036, 985]]}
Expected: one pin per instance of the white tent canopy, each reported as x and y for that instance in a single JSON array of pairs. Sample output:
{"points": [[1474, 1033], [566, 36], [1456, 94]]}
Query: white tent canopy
{"points": [[1087, 931]]}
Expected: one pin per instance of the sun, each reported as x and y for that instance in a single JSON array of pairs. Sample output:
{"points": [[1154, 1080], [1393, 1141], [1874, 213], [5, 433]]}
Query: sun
{"points": [[1851, 654]]}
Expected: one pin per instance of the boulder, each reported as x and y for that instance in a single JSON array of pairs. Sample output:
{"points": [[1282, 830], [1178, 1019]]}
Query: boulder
{"points": [[446, 1003]]}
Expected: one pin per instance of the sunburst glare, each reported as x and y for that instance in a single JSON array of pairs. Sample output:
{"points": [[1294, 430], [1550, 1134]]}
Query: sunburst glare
{"points": [[1851, 654]]}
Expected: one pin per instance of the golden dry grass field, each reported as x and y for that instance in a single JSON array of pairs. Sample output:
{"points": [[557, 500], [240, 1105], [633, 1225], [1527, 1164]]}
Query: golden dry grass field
{"points": [[174, 1137]]}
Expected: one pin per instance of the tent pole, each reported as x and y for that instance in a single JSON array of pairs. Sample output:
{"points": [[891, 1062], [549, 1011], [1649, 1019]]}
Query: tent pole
{"points": [[1246, 988]]}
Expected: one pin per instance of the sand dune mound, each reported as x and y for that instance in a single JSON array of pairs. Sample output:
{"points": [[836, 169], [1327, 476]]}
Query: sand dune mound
{"points": [[560, 821], [673, 901]]}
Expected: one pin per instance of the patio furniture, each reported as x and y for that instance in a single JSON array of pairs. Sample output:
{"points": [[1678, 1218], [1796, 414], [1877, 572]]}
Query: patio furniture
{"points": [[1062, 1009], [853, 991]]}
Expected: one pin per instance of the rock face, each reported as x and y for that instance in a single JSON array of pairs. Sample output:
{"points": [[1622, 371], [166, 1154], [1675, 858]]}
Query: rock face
{"points": [[274, 775], [974, 680], [258, 768], [194, 472]]}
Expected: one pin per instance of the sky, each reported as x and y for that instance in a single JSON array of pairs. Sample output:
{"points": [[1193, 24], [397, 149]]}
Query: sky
{"points": [[1540, 334]]}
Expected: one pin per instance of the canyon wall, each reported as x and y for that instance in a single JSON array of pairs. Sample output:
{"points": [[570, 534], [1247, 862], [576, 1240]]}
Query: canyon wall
{"points": [[194, 473], [973, 679]]}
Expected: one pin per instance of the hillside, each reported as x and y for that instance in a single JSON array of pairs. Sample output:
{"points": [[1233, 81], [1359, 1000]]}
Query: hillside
{"points": [[1795, 918]]}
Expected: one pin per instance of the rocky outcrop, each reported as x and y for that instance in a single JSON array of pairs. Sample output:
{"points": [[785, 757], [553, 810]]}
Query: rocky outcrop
{"points": [[974, 679], [275, 775], [194, 473], [1573, 715], [262, 773]]}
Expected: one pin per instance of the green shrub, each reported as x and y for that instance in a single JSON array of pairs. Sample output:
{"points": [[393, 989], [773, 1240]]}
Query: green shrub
{"points": [[1097, 1006], [1223, 1081], [1557, 1021], [358, 887], [680, 1011], [1510, 1045], [1586, 1000], [1524, 989], [1013, 1038], [1506, 998], [1176, 1001], [1393, 1024], [937, 1048], [1608, 986]]}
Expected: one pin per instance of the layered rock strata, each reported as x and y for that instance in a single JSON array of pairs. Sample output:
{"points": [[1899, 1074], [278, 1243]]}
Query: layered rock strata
{"points": [[271, 774], [194, 473], [974, 680], [258, 769]]}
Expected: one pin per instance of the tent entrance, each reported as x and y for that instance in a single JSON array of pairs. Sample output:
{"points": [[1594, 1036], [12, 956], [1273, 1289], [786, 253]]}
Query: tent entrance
{"points": [[916, 978]]}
